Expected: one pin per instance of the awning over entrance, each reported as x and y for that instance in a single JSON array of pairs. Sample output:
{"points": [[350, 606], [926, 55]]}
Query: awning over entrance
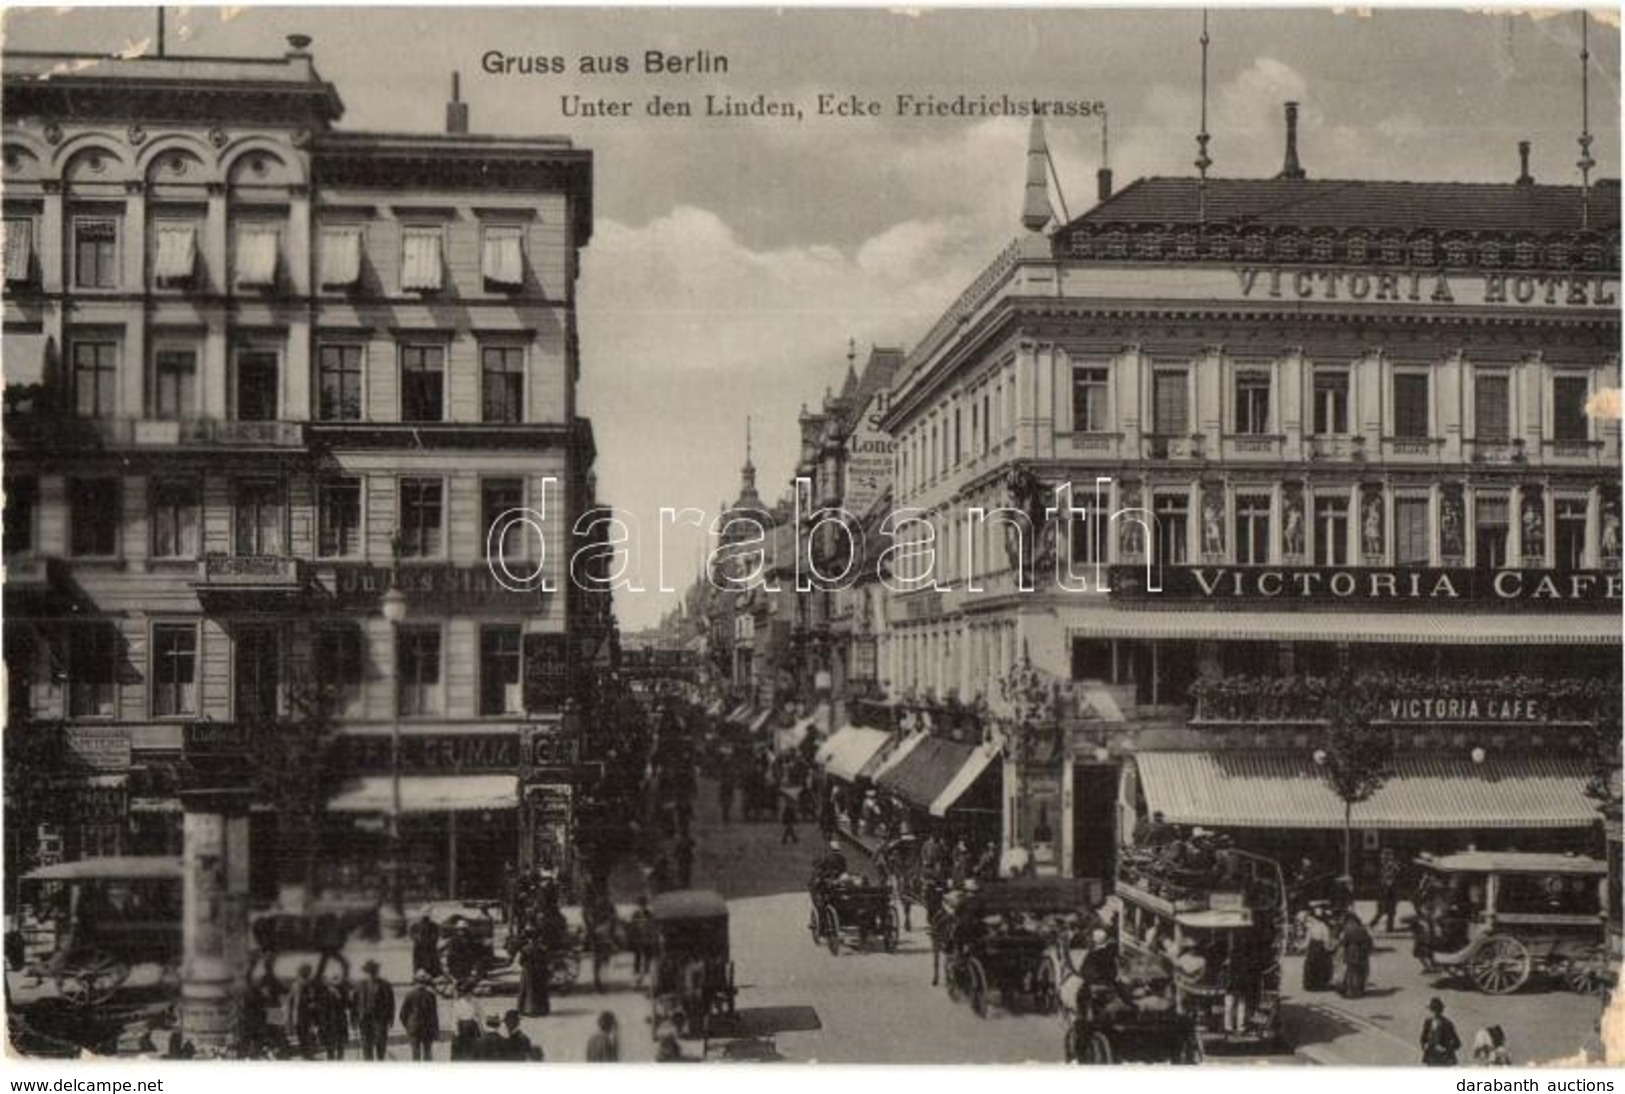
{"points": [[846, 754], [928, 770], [979, 761], [429, 794], [1465, 629], [1272, 789]]}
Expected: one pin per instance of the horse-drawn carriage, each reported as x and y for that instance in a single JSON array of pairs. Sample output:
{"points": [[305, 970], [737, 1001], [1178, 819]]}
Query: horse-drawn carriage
{"points": [[997, 938], [693, 977], [862, 915], [89, 922], [1498, 917], [1213, 937]]}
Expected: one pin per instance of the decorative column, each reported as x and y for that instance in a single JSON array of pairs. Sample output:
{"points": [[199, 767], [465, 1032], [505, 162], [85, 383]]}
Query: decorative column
{"points": [[214, 969]]}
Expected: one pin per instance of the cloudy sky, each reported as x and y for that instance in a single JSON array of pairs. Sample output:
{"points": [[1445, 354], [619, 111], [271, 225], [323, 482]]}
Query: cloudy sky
{"points": [[732, 259]]}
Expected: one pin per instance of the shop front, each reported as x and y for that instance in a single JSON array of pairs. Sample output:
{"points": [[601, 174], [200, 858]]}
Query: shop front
{"points": [[942, 783]]}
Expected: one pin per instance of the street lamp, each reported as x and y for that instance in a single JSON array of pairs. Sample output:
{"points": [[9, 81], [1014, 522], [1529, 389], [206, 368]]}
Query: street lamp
{"points": [[394, 609], [1478, 755]]}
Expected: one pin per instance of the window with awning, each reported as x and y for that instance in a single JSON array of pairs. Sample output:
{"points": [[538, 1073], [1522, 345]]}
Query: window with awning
{"points": [[19, 245], [257, 253], [341, 257], [420, 260], [503, 261], [175, 262]]}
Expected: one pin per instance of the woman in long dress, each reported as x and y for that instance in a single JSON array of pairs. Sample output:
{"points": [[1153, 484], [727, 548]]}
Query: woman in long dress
{"points": [[1317, 956]]}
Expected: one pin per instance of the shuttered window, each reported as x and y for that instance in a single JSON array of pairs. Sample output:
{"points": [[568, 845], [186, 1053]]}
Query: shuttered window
{"points": [[421, 267], [503, 258], [258, 251], [341, 257], [175, 260]]}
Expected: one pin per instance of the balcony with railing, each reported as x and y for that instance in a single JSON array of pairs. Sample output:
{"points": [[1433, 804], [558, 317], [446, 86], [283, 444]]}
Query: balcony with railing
{"points": [[251, 578], [1174, 446]]}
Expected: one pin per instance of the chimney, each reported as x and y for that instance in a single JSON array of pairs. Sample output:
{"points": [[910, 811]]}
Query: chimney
{"points": [[1524, 177], [1103, 183], [456, 110], [299, 45], [1291, 169]]}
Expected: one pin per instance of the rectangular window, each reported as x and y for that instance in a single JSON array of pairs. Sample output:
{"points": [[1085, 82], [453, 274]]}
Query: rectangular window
{"points": [[1089, 400], [1491, 532], [174, 261], [174, 519], [22, 499], [174, 383], [1252, 401], [259, 512], [259, 249], [19, 250], [1413, 539], [502, 383], [1331, 403], [93, 516], [1172, 512], [95, 378], [1571, 533], [1089, 527], [257, 380], [256, 673], [1331, 531], [987, 424], [421, 517], [502, 258], [340, 663], [498, 496], [95, 253], [174, 669], [421, 267], [338, 518], [341, 256], [423, 383], [1411, 418], [1491, 409], [1170, 402], [959, 449], [417, 671], [93, 657], [1252, 529], [500, 690], [1569, 422], [339, 383]]}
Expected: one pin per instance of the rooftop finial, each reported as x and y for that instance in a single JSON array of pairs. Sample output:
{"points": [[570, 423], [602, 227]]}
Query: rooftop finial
{"points": [[1203, 160], [1291, 169], [456, 109], [1103, 176], [1586, 163], [1524, 177], [1036, 212], [747, 440]]}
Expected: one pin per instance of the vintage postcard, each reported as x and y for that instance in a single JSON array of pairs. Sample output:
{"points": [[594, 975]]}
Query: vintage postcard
{"points": [[816, 535]]}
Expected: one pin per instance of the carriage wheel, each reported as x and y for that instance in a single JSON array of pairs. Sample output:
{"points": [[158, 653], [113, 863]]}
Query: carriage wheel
{"points": [[1097, 1049], [1584, 976], [812, 925], [92, 980], [956, 978], [978, 988], [832, 930], [1500, 965]]}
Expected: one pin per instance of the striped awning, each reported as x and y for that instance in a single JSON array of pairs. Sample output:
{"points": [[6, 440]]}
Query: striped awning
{"points": [[1465, 629], [1279, 789], [928, 770], [971, 770], [846, 754]]}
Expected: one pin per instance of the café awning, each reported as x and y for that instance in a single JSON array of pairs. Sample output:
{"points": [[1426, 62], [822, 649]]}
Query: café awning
{"points": [[1281, 789], [849, 751], [927, 771], [1466, 629], [428, 794], [972, 769]]}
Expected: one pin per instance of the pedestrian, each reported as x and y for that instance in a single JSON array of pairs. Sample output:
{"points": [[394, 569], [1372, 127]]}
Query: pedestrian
{"points": [[987, 863], [827, 816], [1389, 874], [660, 874], [1440, 1041], [1317, 954], [516, 1046], [602, 936], [683, 853], [1240, 976], [787, 816], [604, 1046], [301, 1010], [1490, 1047], [640, 936], [420, 1016], [963, 864], [534, 976], [425, 935], [374, 1011], [466, 1019], [492, 1047], [1354, 942], [333, 1020]]}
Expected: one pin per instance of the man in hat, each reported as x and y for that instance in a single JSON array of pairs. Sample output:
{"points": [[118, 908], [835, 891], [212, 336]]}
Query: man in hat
{"points": [[301, 1011], [425, 934], [1440, 1041], [374, 1011], [492, 1047], [516, 1046], [420, 1015], [683, 854], [788, 817], [830, 865]]}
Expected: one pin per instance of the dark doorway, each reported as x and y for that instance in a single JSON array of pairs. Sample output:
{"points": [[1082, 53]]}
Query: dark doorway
{"points": [[1094, 813]]}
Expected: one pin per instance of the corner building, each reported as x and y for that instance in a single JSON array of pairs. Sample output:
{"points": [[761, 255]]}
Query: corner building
{"points": [[258, 372], [1352, 417]]}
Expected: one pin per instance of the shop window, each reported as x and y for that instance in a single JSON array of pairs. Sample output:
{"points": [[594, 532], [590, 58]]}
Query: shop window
{"points": [[1412, 536], [174, 669], [338, 383], [1571, 533], [500, 688], [95, 253], [1569, 421], [1491, 532], [93, 658], [422, 516], [175, 509], [1252, 529], [417, 671], [1411, 418], [338, 518], [1252, 401], [174, 383], [502, 383], [259, 514], [1331, 402], [1331, 531], [423, 383], [1491, 412], [93, 517], [1172, 513], [95, 378], [21, 502]]}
